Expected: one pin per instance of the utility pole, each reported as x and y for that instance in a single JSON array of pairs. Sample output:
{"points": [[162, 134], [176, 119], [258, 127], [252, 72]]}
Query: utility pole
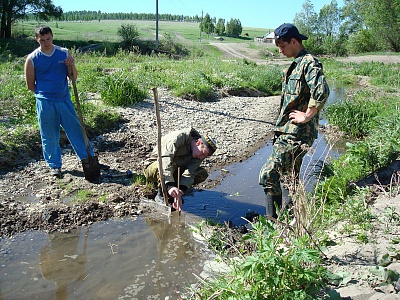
{"points": [[156, 25]]}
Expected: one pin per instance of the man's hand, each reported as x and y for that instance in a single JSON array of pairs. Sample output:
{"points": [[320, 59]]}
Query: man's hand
{"points": [[177, 204], [299, 117], [69, 61], [177, 195], [174, 192]]}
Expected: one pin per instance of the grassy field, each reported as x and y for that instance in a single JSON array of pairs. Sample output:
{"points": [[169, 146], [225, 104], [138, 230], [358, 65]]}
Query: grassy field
{"points": [[106, 30]]}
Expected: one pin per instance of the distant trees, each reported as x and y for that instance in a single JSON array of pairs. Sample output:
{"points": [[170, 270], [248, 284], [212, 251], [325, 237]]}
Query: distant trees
{"points": [[360, 26], [86, 15], [220, 27], [234, 27], [13, 10], [207, 24]]}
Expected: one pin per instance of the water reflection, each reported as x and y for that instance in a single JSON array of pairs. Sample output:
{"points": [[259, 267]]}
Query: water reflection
{"points": [[117, 259], [63, 260]]}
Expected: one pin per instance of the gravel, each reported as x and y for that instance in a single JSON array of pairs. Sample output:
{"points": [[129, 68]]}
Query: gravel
{"points": [[32, 199]]}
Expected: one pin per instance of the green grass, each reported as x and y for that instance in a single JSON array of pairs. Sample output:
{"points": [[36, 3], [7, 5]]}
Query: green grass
{"points": [[106, 30]]}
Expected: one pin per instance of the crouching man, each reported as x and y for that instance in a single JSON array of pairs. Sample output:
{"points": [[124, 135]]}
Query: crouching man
{"points": [[185, 149]]}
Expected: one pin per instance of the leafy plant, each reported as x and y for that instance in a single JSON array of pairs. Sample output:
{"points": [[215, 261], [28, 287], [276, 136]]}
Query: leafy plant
{"points": [[128, 33], [119, 89], [274, 270]]}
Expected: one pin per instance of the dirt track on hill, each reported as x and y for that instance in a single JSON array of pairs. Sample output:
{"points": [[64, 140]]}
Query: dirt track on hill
{"points": [[244, 51]]}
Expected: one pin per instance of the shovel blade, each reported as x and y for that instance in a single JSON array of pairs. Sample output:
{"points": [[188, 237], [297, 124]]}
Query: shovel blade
{"points": [[162, 208], [91, 169]]}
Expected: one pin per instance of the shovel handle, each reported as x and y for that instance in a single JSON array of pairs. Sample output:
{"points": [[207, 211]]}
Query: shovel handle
{"points": [[79, 110]]}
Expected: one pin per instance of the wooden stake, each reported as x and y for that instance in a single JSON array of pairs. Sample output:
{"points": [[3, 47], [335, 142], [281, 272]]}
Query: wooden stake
{"points": [[179, 202], [160, 169]]}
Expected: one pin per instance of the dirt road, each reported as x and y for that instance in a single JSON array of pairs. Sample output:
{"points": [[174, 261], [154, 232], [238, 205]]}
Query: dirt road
{"points": [[244, 51]]}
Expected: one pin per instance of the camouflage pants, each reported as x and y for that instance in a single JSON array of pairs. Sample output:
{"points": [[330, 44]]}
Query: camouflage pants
{"points": [[286, 158], [151, 173]]}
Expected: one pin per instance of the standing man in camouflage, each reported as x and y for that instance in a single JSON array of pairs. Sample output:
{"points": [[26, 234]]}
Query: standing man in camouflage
{"points": [[304, 93]]}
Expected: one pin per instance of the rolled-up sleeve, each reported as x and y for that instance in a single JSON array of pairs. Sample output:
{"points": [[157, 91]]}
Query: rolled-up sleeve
{"points": [[319, 89]]}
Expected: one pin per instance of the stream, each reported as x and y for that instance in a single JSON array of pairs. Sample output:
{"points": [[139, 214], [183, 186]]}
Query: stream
{"points": [[149, 257]]}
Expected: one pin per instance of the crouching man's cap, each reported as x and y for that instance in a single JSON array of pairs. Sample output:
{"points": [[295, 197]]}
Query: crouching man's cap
{"points": [[209, 142], [287, 30]]}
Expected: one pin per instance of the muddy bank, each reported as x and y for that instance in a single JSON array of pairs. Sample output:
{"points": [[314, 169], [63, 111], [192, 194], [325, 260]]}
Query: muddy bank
{"points": [[32, 199]]}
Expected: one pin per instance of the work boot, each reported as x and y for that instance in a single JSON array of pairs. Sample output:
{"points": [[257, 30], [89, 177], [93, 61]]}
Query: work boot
{"points": [[270, 202]]}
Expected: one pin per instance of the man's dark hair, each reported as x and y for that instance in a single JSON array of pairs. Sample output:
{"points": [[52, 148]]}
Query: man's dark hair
{"points": [[42, 30]]}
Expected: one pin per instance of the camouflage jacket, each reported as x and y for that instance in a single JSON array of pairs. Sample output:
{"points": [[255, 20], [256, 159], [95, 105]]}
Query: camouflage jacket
{"points": [[176, 152], [303, 86]]}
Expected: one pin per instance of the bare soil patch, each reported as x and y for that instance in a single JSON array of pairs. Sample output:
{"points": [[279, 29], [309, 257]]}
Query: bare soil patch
{"points": [[33, 199]]}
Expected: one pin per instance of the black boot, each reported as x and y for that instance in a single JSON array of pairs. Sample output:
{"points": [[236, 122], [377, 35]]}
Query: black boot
{"points": [[270, 202]]}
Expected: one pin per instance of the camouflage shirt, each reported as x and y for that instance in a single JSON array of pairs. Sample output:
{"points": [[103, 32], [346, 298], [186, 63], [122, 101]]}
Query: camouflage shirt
{"points": [[176, 151], [303, 86]]}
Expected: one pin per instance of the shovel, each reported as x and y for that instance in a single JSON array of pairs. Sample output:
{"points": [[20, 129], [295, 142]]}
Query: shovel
{"points": [[90, 165]]}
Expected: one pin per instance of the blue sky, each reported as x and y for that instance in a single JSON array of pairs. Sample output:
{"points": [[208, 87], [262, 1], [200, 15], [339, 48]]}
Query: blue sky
{"points": [[255, 13]]}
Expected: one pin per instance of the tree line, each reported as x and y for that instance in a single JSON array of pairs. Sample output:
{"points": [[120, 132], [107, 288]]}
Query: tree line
{"points": [[98, 15], [359, 26]]}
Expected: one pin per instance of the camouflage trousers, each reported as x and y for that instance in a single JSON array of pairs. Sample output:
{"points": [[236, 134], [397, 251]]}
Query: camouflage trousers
{"points": [[151, 173], [285, 160]]}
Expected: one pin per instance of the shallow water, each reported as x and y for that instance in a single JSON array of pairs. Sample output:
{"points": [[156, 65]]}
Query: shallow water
{"points": [[147, 258], [143, 258], [239, 192]]}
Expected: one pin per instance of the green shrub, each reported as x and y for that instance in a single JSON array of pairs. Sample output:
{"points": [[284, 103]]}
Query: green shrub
{"points": [[128, 33], [119, 89], [357, 115], [274, 270], [362, 41], [100, 119]]}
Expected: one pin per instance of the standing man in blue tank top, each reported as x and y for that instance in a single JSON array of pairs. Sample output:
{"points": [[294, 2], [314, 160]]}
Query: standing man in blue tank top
{"points": [[46, 72]]}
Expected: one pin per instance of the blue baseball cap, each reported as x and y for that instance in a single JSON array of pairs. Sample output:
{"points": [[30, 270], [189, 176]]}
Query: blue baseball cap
{"points": [[287, 30]]}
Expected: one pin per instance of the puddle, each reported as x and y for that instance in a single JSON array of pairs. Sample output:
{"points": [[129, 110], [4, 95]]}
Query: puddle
{"points": [[239, 192], [146, 258]]}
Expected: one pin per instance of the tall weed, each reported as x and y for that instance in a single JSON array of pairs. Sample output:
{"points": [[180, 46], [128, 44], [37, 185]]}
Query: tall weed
{"points": [[278, 268], [119, 89]]}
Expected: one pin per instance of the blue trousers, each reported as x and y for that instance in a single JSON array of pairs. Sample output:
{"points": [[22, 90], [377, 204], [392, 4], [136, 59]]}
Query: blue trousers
{"points": [[52, 115]]}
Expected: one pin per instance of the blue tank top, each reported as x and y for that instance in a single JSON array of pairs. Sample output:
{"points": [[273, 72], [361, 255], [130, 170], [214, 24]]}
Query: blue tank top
{"points": [[50, 74]]}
